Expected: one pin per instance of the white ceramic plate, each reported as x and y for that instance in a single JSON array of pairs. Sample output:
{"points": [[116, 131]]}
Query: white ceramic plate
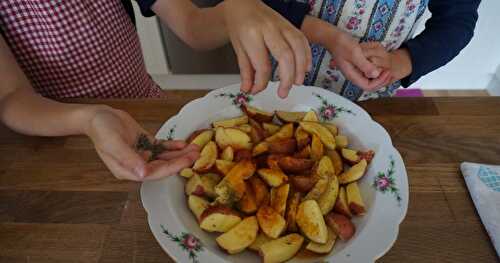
{"points": [[384, 187]]}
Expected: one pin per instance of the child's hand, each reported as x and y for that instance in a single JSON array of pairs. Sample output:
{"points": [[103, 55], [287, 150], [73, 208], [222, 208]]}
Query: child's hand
{"points": [[347, 53], [131, 153], [397, 62]]}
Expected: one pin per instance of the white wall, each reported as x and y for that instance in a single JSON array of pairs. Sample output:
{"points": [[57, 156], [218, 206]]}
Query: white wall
{"points": [[475, 66]]}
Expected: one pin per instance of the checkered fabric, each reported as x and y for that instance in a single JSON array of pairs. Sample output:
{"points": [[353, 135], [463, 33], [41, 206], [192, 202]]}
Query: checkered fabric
{"points": [[85, 48]]}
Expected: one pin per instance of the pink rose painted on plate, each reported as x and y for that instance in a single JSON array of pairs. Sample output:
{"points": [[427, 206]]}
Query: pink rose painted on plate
{"points": [[190, 242]]}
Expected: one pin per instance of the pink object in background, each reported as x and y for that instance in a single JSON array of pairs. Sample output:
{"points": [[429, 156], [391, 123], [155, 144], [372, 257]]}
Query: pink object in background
{"points": [[409, 93]]}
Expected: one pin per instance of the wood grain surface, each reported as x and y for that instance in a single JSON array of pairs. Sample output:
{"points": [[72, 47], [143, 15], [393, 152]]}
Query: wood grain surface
{"points": [[58, 203]]}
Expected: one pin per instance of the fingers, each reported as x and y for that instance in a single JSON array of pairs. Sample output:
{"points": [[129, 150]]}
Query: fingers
{"points": [[176, 154], [361, 62], [379, 82], [371, 45], [246, 69], [302, 53], [380, 62], [353, 74], [125, 155], [259, 58], [172, 145], [283, 53], [160, 168], [118, 170]]}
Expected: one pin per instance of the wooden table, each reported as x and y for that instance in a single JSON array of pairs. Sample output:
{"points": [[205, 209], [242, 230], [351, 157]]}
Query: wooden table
{"points": [[58, 203]]}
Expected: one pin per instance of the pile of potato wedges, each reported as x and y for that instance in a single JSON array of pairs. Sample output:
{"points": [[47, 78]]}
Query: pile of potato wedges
{"points": [[276, 183]]}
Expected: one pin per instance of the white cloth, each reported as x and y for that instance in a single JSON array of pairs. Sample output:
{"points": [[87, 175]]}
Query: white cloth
{"points": [[483, 182]]}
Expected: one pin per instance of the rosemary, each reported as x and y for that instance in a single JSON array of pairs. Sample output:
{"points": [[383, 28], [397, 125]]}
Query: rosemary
{"points": [[155, 147]]}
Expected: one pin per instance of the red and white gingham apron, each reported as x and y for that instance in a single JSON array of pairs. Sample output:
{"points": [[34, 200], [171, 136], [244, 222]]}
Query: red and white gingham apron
{"points": [[84, 48]]}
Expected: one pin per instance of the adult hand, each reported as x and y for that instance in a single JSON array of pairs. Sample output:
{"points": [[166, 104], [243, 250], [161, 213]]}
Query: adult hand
{"points": [[349, 58], [346, 52], [397, 62], [255, 31], [132, 153]]}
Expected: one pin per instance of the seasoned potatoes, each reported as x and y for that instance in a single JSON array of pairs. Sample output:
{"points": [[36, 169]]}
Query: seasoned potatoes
{"points": [[276, 183]]}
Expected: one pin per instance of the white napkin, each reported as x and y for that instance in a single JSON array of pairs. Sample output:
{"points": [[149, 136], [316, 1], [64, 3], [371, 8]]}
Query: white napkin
{"points": [[483, 182]]}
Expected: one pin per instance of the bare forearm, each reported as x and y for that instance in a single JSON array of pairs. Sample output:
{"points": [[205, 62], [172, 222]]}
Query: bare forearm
{"points": [[200, 28], [26, 112]]}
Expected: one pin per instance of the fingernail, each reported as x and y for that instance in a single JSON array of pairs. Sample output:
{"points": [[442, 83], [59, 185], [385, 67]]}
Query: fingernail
{"points": [[375, 73], [140, 171]]}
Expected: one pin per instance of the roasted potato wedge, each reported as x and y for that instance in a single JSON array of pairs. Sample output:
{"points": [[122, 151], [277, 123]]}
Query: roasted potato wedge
{"points": [[328, 198], [223, 166], [319, 130], [233, 137], [240, 236], [311, 116], [246, 128], [194, 186], [243, 154], [366, 155], [270, 221], [354, 199], [323, 248], [279, 196], [285, 146], [332, 128], [201, 137], [354, 173], [317, 149], [338, 164], [231, 122], [353, 157], [341, 206], [291, 212], [294, 165], [323, 173], [341, 225], [270, 128], [257, 114], [197, 205], [219, 218], [227, 154], [311, 223], [303, 183], [341, 141], [247, 203], [209, 181], [232, 187], [290, 116], [207, 158], [259, 241], [285, 132], [257, 133], [272, 177], [302, 137], [281, 249], [186, 173], [273, 161], [260, 148], [260, 190], [305, 153]]}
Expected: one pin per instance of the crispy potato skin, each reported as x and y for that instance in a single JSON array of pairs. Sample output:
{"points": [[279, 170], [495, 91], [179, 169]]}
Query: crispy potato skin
{"points": [[341, 225], [295, 165]]}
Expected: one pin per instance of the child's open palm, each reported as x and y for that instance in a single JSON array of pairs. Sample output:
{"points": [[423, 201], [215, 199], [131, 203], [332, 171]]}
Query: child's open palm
{"points": [[132, 153]]}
